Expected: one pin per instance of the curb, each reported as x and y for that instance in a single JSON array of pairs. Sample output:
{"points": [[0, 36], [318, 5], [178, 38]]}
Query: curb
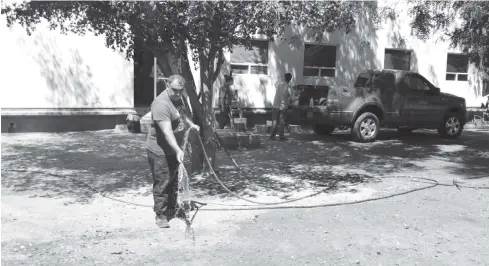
{"points": [[477, 127]]}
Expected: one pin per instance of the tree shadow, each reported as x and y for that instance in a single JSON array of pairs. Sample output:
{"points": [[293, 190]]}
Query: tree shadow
{"points": [[63, 78], [72, 80], [111, 163], [334, 162], [62, 165], [465, 156]]}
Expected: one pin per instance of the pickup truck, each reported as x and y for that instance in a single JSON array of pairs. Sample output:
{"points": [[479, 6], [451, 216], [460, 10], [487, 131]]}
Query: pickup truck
{"points": [[379, 98]]}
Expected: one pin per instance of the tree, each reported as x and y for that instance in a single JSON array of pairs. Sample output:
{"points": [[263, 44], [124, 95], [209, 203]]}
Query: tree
{"points": [[471, 35], [176, 29]]}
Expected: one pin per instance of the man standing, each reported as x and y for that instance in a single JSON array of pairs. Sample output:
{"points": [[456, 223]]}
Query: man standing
{"points": [[170, 117], [283, 94], [225, 100]]}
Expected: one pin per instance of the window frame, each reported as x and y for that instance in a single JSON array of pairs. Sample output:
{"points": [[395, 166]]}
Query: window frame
{"points": [[249, 65], [410, 51], [457, 74], [319, 68]]}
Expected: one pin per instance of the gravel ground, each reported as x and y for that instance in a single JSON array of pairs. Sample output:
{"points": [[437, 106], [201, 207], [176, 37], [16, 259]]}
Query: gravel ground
{"points": [[49, 217]]}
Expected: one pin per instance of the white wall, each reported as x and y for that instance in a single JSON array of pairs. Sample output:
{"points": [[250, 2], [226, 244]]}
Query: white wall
{"points": [[359, 50], [51, 70]]}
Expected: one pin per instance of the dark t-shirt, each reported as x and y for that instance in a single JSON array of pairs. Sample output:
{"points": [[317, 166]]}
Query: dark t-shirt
{"points": [[164, 109]]}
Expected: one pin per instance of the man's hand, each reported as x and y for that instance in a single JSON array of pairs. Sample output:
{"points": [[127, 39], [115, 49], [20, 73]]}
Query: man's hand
{"points": [[196, 127], [180, 156], [192, 125]]}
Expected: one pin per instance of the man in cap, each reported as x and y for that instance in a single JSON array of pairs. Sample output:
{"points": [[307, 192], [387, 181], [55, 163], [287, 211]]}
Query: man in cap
{"points": [[225, 100], [170, 115], [283, 94]]}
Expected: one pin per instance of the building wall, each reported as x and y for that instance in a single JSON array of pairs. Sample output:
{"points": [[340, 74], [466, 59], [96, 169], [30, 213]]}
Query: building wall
{"points": [[49, 79], [50, 70], [362, 49]]}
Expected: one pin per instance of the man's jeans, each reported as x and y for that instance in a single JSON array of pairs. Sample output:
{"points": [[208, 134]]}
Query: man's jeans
{"points": [[225, 116], [165, 183], [278, 123]]}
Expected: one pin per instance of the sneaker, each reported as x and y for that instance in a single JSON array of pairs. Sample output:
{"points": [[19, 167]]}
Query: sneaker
{"points": [[162, 221]]}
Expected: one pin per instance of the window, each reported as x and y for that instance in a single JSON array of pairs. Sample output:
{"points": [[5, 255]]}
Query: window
{"points": [[375, 80], [254, 61], [319, 60], [362, 79], [485, 87], [397, 59], [369, 79], [416, 84], [457, 67]]}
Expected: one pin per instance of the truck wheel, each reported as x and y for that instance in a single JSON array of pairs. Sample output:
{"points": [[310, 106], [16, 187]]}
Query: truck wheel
{"points": [[322, 129], [451, 126], [366, 128]]}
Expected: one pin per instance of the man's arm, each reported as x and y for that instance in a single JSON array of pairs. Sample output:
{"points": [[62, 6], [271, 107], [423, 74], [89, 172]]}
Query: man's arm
{"points": [[162, 118], [285, 94], [165, 127], [291, 93], [192, 124]]}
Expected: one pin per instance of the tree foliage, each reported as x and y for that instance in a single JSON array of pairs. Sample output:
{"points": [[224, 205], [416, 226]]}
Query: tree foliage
{"points": [[178, 28], [471, 35], [203, 27]]}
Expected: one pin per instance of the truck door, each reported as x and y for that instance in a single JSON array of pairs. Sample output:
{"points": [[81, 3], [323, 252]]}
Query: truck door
{"points": [[435, 110], [387, 85], [419, 101], [404, 102]]}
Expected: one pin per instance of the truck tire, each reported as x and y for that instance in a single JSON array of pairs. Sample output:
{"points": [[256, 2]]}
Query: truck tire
{"points": [[451, 126], [366, 128], [322, 129]]}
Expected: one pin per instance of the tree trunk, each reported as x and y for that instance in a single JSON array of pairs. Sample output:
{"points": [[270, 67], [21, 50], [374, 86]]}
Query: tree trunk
{"points": [[197, 157], [209, 116], [209, 126], [203, 112]]}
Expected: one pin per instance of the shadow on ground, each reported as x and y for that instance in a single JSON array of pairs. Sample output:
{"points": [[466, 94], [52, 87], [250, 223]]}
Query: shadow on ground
{"points": [[116, 163]]}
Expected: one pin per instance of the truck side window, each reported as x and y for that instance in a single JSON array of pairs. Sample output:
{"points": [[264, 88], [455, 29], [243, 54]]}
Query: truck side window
{"points": [[404, 85], [362, 80], [416, 85]]}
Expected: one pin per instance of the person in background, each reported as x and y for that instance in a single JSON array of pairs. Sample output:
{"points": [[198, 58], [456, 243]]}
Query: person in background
{"points": [[225, 100], [283, 95], [170, 116]]}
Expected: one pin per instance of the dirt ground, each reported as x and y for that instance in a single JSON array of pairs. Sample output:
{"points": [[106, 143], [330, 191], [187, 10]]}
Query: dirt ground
{"points": [[50, 217]]}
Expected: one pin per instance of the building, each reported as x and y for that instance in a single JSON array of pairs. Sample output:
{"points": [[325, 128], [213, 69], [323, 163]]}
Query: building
{"points": [[338, 58], [54, 82]]}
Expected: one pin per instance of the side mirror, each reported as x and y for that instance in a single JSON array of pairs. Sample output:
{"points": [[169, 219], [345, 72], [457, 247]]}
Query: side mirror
{"points": [[436, 90]]}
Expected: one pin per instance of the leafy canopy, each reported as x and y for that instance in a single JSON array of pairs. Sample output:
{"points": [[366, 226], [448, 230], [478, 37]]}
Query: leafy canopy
{"points": [[203, 26], [471, 35]]}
